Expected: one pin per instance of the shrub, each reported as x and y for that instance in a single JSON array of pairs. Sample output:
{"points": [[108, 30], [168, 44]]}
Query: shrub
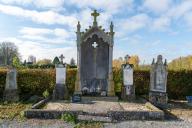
{"points": [[68, 118], [46, 94], [35, 81]]}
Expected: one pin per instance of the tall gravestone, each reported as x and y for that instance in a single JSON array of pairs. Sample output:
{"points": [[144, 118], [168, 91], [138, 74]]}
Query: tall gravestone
{"points": [[11, 89], [128, 89], [60, 92], [94, 60], [158, 82]]}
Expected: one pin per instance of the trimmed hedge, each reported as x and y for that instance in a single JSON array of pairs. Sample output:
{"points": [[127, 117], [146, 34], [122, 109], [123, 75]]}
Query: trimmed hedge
{"points": [[36, 81]]}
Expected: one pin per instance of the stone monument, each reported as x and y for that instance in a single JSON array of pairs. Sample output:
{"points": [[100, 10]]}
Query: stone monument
{"points": [[11, 89], [128, 89], [60, 92], [94, 60], [158, 82]]}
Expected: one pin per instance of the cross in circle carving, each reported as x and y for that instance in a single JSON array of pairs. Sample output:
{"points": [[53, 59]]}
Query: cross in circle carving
{"points": [[95, 45]]}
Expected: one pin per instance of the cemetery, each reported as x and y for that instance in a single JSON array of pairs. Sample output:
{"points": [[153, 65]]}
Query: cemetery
{"points": [[95, 90]]}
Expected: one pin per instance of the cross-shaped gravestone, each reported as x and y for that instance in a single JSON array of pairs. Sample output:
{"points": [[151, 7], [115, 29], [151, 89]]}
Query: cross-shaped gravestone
{"points": [[127, 57], [62, 57], [95, 14], [94, 45]]}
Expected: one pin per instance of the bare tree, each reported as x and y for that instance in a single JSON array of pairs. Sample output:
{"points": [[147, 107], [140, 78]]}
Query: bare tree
{"points": [[8, 50]]}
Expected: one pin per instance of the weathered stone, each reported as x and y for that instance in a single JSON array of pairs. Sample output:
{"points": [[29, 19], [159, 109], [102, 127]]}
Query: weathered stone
{"points": [[11, 92], [60, 92], [128, 89], [94, 60], [158, 82]]}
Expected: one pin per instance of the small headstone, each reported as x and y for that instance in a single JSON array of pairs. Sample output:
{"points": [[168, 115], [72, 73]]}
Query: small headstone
{"points": [[11, 92], [60, 92], [128, 89], [76, 98], [158, 82], [189, 100]]}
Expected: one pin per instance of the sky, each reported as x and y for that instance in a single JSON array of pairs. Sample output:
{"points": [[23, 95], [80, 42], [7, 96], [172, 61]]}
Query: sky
{"points": [[147, 28]]}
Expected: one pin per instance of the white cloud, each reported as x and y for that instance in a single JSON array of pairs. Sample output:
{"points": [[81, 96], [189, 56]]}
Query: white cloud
{"points": [[113, 6], [59, 32], [37, 3], [45, 17], [180, 9], [188, 19], [161, 23], [157, 6], [35, 31], [133, 23]]}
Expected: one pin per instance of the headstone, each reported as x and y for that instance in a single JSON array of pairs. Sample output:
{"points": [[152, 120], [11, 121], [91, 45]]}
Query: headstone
{"points": [[94, 60], [60, 92], [158, 82], [76, 98], [11, 92], [189, 100], [128, 89]]}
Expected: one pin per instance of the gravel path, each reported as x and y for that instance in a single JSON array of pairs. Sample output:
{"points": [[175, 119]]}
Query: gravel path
{"points": [[150, 124], [32, 123], [35, 124], [127, 124]]}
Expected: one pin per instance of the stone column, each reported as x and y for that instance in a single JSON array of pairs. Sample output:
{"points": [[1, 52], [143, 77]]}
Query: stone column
{"points": [[111, 86], [78, 76], [111, 91]]}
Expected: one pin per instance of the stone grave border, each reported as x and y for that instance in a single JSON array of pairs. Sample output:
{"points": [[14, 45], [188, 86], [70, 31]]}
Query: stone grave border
{"points": [[153, 114]]}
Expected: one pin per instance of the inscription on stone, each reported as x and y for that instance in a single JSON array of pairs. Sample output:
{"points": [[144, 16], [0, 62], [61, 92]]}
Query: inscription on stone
{"points": [[128, 75], [60, 75]]}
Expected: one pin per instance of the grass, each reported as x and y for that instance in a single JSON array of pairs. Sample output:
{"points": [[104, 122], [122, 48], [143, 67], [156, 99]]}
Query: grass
{"points": [[10, 111]]}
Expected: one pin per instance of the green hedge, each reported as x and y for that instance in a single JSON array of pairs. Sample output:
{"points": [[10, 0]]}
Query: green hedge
{"points": [[36, 81]]}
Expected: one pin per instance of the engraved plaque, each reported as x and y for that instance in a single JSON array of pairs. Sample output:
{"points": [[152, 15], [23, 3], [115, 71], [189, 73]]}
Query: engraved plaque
{"points": [[127, 75], [60, 75]]}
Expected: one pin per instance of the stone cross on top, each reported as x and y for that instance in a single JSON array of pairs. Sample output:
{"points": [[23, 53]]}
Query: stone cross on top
{"points": [[127, 57], [62, 57], [95, 45], [95, 14]]}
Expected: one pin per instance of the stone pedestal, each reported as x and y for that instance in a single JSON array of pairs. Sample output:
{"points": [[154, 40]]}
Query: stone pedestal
{"points": [[111, 88], [158, 98], [60, 92], [11, 95], [77, 85], [125, 96]]}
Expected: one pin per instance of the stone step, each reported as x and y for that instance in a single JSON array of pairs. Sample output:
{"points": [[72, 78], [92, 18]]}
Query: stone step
{"points": [[100, 98], [94, 118]]}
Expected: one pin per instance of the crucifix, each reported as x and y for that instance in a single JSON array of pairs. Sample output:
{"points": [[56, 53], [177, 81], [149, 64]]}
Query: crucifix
{"points": [[61, 57], [95, 14]]}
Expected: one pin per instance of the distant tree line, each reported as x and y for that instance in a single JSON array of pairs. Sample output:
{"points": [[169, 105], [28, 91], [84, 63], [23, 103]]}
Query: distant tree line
{"points": [[181, 63], [9, 55]]}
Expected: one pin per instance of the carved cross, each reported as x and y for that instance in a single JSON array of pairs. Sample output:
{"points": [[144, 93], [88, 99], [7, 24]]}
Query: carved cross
{"points": [[62, 57], [95, 45], [95, 14]]}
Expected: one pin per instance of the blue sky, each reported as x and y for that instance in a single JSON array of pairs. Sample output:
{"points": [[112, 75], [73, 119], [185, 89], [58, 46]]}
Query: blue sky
{"points": [[46, 28]]}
